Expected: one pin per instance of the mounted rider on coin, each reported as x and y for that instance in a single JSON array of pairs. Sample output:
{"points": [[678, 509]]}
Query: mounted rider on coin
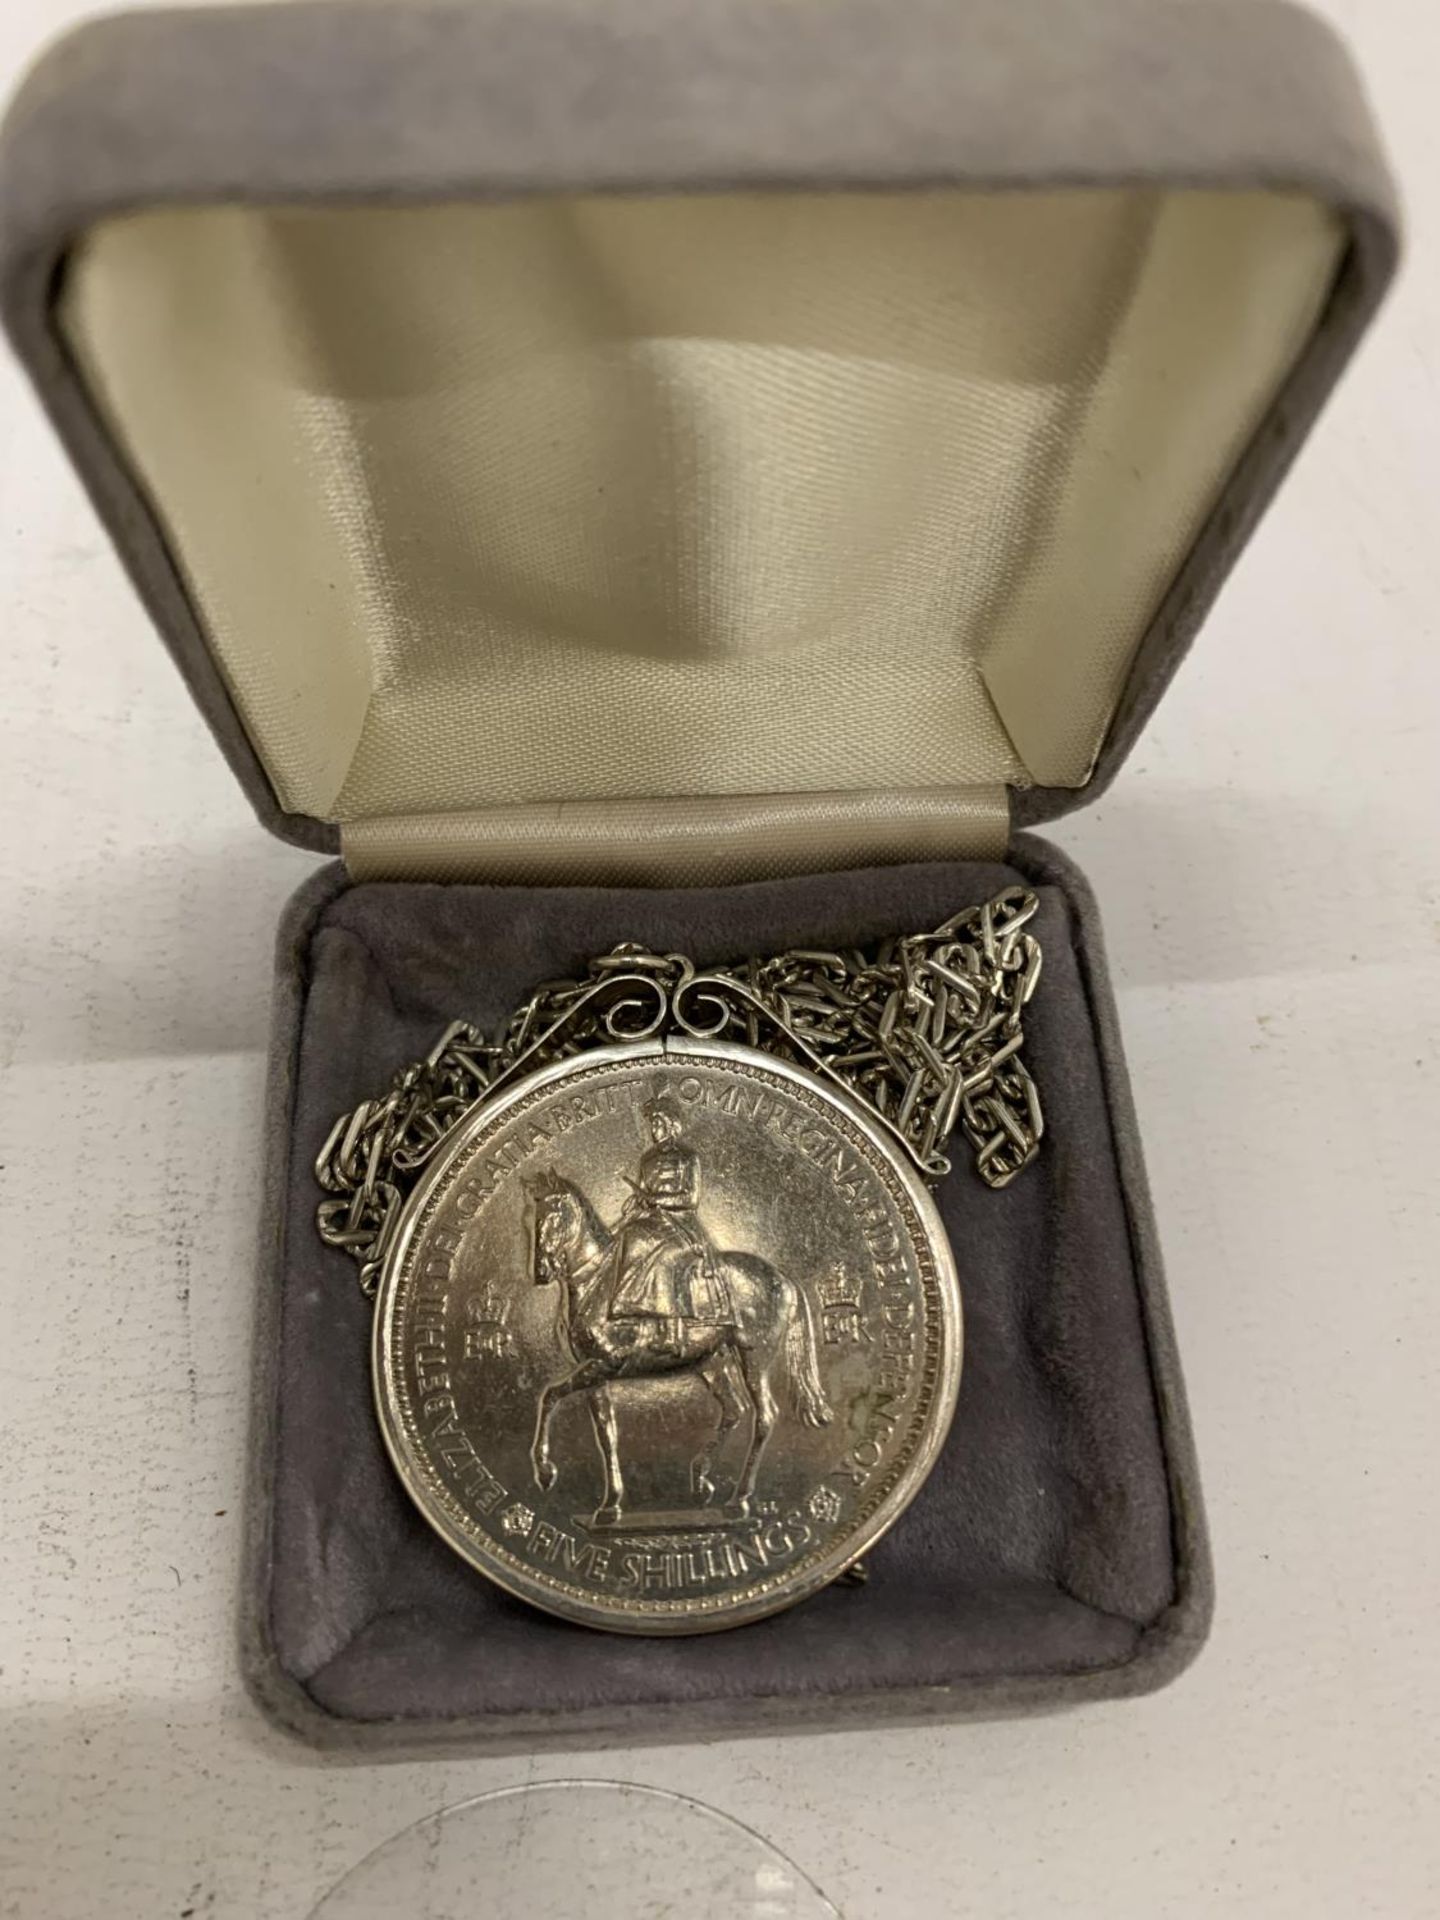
{"points": [[664, 1269]]}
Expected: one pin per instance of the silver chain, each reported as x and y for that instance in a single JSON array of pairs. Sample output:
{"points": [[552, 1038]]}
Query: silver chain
{"points": [[925, 1030]]}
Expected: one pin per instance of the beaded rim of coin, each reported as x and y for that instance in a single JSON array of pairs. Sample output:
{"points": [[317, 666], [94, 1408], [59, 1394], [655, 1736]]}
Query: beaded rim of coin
{"points": [[811, 1570]]}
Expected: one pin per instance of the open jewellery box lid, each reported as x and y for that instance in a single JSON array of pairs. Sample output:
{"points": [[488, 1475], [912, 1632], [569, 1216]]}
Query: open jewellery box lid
{"points": [[674, 442]]}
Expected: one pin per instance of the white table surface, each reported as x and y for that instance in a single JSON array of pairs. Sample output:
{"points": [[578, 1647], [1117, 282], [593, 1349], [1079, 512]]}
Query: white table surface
{"points": [[1268, 869]]}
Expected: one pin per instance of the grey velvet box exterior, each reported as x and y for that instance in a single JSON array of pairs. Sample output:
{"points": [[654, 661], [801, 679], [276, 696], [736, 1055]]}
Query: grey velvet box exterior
{"points": [[344, 103]]}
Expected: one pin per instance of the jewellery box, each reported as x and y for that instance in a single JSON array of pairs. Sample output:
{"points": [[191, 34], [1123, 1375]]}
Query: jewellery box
{"points": [[714, 476]]}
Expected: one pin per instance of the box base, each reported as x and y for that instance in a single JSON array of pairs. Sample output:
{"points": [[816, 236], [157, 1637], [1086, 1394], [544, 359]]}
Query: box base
{"points": [[1057, 1551]]}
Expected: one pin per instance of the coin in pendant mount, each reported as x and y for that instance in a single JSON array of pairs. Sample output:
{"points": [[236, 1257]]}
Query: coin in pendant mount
{"points": [[668, 1336]]}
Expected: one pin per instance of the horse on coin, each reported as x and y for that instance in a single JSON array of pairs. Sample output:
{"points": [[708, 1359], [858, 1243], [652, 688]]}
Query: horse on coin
{"points": [[766, 1338]]}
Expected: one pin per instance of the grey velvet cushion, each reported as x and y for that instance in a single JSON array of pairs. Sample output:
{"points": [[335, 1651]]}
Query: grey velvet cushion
{"points": [[1057, 1546]]}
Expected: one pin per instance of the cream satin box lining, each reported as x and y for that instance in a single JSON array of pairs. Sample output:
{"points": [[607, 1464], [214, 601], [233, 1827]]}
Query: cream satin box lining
{"points": [[583, 503]]}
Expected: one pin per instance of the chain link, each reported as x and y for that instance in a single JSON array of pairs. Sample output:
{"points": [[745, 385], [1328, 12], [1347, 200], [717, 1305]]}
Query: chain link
{"points": [[925, 1030]]}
